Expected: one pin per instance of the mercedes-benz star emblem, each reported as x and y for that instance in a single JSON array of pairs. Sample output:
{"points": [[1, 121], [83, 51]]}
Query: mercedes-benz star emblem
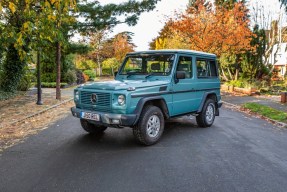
{"points": [[94, 98]]}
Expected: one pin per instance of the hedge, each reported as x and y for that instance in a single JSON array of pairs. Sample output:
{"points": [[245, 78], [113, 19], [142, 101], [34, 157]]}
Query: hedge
{"points": [[52, 84]]}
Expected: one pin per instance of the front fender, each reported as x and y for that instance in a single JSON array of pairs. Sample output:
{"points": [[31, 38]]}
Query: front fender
{"points": [[144, 100]]}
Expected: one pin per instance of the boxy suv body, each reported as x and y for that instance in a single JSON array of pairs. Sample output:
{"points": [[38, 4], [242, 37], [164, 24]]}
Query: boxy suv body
{"points": [[149, 88]]}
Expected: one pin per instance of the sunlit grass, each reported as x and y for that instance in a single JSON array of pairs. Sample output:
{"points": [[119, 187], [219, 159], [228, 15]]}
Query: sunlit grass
{"points": [[267, 111]]}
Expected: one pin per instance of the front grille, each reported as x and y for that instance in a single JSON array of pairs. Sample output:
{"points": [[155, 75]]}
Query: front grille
{"points": [[102, 104]]}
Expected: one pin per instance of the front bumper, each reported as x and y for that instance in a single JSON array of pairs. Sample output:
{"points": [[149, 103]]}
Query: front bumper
{"points": [[108, 119]]}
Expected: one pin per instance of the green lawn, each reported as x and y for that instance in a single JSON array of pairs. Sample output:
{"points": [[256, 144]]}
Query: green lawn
{"points": [[267, 111]]}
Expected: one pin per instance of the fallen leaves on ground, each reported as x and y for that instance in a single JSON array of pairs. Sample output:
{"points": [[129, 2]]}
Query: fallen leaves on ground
{"points": [[24, 105], [13, 134]]}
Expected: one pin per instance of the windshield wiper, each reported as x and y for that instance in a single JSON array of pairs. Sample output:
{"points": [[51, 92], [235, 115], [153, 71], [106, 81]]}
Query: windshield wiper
{"points": [[148, 75], [130, 74]]}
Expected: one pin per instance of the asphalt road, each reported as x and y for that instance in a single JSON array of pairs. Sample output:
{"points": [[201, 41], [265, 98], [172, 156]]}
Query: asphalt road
{"points": [[237, 153]]}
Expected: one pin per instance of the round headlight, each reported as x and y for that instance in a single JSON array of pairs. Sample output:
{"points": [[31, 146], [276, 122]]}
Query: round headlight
{"points": [[121, 99], [77, 95]]}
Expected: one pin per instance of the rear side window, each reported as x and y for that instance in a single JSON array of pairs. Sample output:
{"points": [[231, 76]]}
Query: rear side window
{"points": [[206, 68], [185, 65]]}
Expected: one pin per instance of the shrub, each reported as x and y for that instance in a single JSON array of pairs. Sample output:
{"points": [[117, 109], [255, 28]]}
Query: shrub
{"points": [[264, 90], [13, 70], [237, 83], [52, 84], [7, 95], [81, 77], [70, 77], [26, 81], [86, 77], [107, 71], [263, 83], [110, 65], [91, 74], [48, 77]]}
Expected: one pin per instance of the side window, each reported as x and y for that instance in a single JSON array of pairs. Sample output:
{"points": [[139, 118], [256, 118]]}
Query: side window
{"points": [[213, 69], [185, 64], [206, 68]]}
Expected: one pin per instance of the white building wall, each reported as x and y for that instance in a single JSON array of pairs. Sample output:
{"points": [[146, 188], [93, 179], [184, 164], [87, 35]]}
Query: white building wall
{"points": [[278, 55]]}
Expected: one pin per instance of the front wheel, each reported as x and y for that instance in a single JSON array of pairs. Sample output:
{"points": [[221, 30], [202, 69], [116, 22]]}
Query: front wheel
{"points": [[207, 115], [92, 128], [150, 127]]}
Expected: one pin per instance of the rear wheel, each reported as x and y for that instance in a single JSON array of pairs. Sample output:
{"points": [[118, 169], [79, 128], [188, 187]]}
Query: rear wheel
{"points": [[207, 115], [92, 128], [150, 127]]}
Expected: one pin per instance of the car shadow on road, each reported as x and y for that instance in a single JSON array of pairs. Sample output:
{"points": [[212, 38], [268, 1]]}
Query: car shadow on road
{"points": [[184, 122], [111, 139], [118, 139], [181, 126]]}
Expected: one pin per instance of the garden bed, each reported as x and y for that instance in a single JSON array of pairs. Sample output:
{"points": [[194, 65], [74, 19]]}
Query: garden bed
{"points": [[231, 88]]}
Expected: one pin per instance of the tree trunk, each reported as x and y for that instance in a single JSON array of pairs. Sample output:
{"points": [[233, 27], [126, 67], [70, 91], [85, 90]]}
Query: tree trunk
{"points": [[237, 60], [236, 74], [113, 74], [58, 63], [230, 75], [99, 66], [224, 75]]}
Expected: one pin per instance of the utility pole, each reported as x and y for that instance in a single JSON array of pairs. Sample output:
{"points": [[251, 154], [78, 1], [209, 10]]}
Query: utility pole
{"points": [[39, 89]]}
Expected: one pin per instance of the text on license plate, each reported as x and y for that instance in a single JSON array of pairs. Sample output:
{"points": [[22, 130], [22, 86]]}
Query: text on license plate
{"points": [[91, 116]]}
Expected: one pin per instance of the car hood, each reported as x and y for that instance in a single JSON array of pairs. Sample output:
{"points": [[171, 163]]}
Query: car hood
{"points": [[124, 85]]}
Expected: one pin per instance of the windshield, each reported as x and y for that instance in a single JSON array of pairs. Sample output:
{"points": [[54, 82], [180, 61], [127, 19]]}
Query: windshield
{"points": [[148, 64]]}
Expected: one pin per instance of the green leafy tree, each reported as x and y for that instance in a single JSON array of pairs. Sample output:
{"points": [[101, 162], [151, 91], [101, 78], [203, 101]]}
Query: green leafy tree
{"points": [[12, 20], [227, 63], [28, 25], [61, 12], [97, 16], [103, 48], [83, 63], [111, 63], [227, 4], [97, 19], [26, 28], [253, 65]]}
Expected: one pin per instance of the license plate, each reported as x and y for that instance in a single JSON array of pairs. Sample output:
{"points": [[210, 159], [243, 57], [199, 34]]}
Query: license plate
{"points": [[90, 116]]}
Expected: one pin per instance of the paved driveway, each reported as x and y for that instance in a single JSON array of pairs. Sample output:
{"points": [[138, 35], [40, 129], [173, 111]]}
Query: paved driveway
{"points": [[238, 153]]}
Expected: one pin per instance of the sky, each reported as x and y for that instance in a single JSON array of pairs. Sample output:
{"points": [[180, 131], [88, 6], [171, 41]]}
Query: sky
{"points": [[150, 23], [272, 9]]}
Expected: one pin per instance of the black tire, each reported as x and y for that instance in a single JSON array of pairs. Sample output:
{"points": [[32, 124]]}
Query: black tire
{"points": [[92, 128], [150, 126], [207, 115]]}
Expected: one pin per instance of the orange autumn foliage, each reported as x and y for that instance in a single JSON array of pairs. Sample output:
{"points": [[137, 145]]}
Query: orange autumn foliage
{"points": [[216, 31], [122, 46]]}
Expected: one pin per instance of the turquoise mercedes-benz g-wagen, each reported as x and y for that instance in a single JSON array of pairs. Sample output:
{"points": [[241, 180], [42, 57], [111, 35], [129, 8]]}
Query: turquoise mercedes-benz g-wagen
{"points": [[149, 88]]}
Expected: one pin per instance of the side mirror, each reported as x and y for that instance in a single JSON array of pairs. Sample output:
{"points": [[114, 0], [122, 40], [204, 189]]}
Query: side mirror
{"points": [[180, 75]]}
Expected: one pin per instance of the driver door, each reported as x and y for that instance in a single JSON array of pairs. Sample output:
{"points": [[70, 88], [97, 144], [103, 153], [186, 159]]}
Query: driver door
{"points": [[184, 94]]}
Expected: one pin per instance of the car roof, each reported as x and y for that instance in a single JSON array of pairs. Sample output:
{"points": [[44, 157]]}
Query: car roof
{"points": [[184, 51]]}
